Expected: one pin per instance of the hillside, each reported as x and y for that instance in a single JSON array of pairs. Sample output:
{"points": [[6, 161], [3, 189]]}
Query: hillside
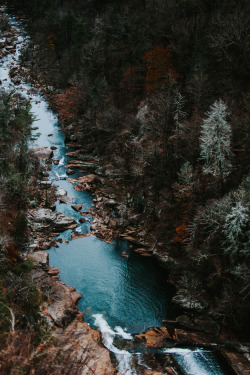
{"points": [[158, 93]]}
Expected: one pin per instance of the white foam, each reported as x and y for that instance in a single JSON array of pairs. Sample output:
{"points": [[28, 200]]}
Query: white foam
{"points": [[123, 357], [61, 162], [125, 335], [62, 176], [194, 362]]}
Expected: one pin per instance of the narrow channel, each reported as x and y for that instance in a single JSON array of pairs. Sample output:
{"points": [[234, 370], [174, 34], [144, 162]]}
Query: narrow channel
{"points": [[120, 295]]}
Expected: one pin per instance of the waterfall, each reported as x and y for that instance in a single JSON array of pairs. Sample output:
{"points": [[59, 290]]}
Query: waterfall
{"points": [[123, 357]]}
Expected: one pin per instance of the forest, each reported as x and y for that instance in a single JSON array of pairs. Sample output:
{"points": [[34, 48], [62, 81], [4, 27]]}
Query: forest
{"points": [[158, 92]]}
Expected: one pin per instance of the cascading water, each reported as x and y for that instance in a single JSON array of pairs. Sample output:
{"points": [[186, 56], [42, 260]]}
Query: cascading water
{"points": [[123, 357], [196, 362], [120, 294]]}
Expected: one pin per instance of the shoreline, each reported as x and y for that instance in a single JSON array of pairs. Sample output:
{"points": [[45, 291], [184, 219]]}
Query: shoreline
{"points": [[100, 230]]}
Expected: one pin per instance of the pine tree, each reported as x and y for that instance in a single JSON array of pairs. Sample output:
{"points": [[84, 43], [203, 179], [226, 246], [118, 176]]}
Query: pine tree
{"points": [[234, 229], [216, 141]]}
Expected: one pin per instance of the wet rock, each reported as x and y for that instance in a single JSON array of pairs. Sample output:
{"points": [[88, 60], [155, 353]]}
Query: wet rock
{"points": [[82, 220], [82, 164], [61, 192], [80, 235], [52, 271], [88, 179], [156, 338], [73, 153], [42, 218], [43, 152], [143, 252], [70, 172], [65, 199], [169, 336], [56, 162], [81, 187], [77, 207]]}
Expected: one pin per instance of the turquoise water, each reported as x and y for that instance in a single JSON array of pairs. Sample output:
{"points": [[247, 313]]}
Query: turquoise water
{"points": [[120, 295]]}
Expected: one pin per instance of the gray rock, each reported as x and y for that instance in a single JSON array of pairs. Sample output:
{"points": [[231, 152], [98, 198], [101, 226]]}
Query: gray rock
{"points": [[65, 200], [40, 258], [61, 192], [43, 152], [77, 207], [43, 218]]}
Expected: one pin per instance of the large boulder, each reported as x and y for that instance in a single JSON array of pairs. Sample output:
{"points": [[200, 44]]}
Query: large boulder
{"points": [[83, 348], [77, 207], [43, 152], [44, 218], [40, 258]]}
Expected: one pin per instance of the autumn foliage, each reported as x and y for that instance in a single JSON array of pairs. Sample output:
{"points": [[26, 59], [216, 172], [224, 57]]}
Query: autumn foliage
{"points": [[52, 41], [159, 67], [181, 233], [11, 253], [67, 104]]}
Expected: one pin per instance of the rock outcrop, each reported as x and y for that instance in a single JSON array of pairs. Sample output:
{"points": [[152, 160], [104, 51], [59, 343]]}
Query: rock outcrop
{"points": [[75, 339], [43, 152], [43, 219]]}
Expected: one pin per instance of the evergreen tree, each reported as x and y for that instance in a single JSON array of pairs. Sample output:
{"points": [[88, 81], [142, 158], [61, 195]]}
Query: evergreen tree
{"points": [[216, 141], [234, 229]]}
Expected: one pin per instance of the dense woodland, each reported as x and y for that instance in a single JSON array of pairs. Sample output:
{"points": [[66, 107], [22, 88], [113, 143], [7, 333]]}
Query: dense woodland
{"points": [[19, 297], [158, 92]]}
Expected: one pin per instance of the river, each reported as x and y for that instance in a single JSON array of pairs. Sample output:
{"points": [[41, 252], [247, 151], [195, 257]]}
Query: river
{"points": [[120, 295]]}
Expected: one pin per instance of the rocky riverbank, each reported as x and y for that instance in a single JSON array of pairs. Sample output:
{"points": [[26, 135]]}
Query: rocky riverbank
{"points": [[194, 327], [111, 218], [75, 339]]}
